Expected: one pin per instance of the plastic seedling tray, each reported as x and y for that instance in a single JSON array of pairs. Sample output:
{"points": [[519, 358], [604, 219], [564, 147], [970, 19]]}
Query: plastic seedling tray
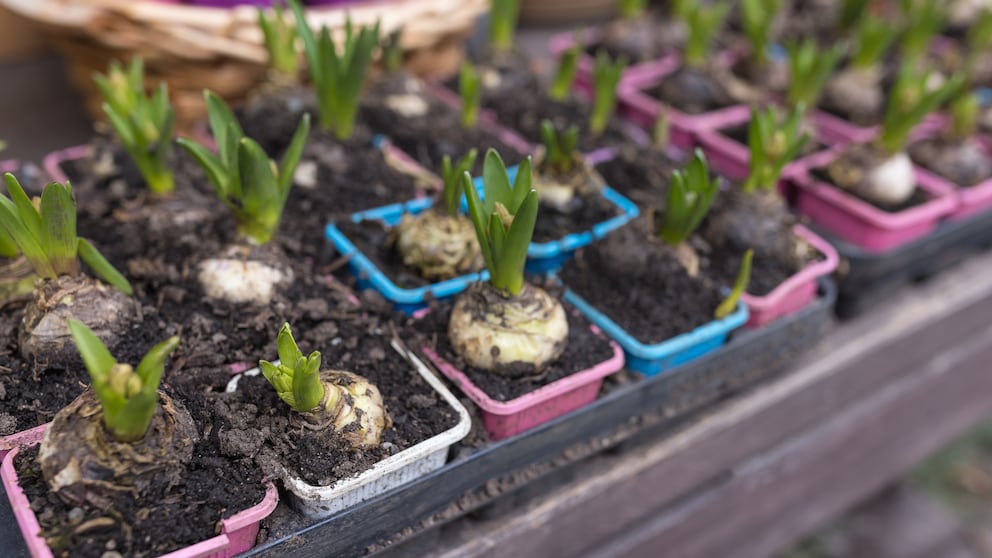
{"points": [[548, 257], [22, 438], [973, 199], [749, 358], [591, 36], [237, 533], [401, 468], [368, 275], [860, 223], [503, 419]]}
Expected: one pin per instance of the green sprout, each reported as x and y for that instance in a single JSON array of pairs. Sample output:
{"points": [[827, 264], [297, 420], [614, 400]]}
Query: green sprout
{"points": [[296, 378], [144, 125], [128, 396], [690, 196], [978, 39], [451, 177], [568, 64], [809, 70], [605, 77], [504, 222], [46, 234], [281, 39], [757, 17], [632, 9], [911, 99], [851, 12], [661, 132], [503, 23], [873, 38], [470, 88], [251, 185], [703, 21], [337, 78], [925, 19], [729, 304], [964, 109], [560, 147], [392, 52], [773, 145]]}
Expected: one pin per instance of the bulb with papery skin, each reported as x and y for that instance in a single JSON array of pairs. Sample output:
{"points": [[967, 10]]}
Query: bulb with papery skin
{"points": [[437, 245], [354, 407]]}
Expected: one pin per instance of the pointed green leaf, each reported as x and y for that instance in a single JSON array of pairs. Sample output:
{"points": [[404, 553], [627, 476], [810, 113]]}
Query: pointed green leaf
{"points": [[480, 220], [521, 185], [289, 352], [94, 353], [496, 183], [214, 169], [514, 254], [58, 215], [102, 268], [26, 211], [152, 366], [293, 154], [729, 304]]}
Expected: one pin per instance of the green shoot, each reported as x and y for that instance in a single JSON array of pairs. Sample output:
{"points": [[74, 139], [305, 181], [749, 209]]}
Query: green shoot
{"points": [[925, 18], [296, 378], [911, 99], [809, 70], [144, 125], [503, 24], [559, 147], [964, 109], [773, 145], [851, 12], [251, 185], [568, 64], [978, 39], [504, 222], [729, 304], [281, 40], [873, 38], [679, 9], [703, 21], [632, 9], [3, 145], [392, 52], [661, 132], [45, 232], [470, 88], [605, 77], [690, 196], [128, 396], [337, 78], [451, 175], [757, 17]]}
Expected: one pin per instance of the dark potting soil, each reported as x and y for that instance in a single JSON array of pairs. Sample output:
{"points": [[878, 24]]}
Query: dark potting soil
{"points": [[370, 237], [554, 224], [918, 198], [965, 163], [436, 133], [585, 349], [523, 111], [160, 519], [259, 424], [633, 280], [637, 40], [739, 134], [641, 173], [768, 271], [692, 91]]}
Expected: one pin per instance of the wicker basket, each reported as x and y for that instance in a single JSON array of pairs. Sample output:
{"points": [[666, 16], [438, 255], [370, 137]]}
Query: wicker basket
{"points": [[193, 48]]}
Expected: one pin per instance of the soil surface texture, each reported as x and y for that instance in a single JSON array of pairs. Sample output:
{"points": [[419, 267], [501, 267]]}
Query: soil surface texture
{"points": [[965, 163]]}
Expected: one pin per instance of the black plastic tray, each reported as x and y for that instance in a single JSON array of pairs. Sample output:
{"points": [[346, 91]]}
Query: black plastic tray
{"points": [[657, 404], [865, 279]]}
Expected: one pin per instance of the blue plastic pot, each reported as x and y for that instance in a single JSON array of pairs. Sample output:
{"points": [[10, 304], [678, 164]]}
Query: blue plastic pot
{"points": [[370, 276], [652, 360], [548, 257]]}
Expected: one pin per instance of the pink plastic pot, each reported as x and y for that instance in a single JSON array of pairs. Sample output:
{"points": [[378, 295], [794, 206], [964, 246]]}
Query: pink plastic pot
{"points": [[971, 199], [503, 419], [796, 292], [52, 163], [9, 165], [591, 36], [22, 438], [238, 532], [731, 158], [864, 225], [643, 109]]}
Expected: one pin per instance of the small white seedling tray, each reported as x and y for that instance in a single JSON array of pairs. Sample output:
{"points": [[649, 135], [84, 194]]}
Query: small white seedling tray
{"points": [[407, 465]]}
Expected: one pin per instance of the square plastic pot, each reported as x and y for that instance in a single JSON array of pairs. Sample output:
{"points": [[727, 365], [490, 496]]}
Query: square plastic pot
{"points": [[653, 359], [237, 535], [796, 292], [368, 275], [548, 257], [503, 419], [731, 158], [591, 36], [22, 438], [971, 199], [408, 465], [864, 225]]}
